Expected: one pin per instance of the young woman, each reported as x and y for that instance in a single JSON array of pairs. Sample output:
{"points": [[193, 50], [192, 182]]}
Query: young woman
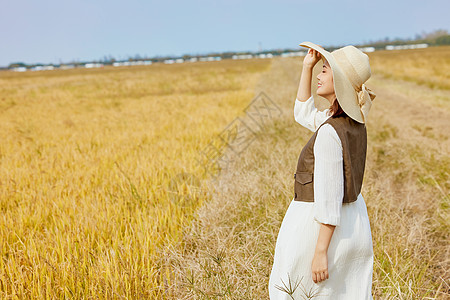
{"points": [[324, 246]]}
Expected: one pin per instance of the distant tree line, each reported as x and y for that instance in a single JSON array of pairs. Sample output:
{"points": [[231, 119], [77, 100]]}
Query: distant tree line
{"points": [[437, 37]]}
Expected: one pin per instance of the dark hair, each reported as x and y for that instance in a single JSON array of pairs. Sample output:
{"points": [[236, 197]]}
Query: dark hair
{"points": [[336, 110]]}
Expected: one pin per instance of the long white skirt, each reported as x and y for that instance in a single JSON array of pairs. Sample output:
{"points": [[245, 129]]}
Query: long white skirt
{"points": [[350, 255]]}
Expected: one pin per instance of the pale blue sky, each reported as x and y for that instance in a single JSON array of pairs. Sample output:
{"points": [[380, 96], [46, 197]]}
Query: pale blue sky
{"points": [[50, 31]]}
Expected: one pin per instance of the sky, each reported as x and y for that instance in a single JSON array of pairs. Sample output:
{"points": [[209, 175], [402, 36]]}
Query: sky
{"points": [[56, 31]]}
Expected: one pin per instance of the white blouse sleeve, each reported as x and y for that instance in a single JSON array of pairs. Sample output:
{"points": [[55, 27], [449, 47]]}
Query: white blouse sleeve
{"points": [[307, 115], [328, 176]]}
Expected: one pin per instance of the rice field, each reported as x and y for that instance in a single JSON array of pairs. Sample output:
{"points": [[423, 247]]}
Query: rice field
{"points": [[86, 158], [89, 157]]}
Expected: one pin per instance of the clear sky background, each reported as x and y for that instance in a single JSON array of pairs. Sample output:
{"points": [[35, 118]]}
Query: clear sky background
{"points": [[54, 31]]}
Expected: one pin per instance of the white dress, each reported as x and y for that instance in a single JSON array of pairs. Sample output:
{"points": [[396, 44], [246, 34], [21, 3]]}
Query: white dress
{"points": [[350, 253]]}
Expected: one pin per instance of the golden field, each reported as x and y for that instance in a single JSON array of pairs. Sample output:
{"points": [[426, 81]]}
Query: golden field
{"points": [[88, 156]]}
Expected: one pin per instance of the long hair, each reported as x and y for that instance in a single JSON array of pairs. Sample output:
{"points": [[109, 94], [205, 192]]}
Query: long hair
{"points": [[336, 110]]}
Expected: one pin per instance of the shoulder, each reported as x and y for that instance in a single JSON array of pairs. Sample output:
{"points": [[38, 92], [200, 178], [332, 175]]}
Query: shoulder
{"points": [[323, 116], [343, 122]]}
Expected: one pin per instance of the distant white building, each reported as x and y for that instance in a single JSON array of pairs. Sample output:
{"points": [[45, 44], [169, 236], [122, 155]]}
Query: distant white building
{"points": [[42, 68], [367, 49], [263, 55], [402, 47], [123, 63], [179, 60], [93, 65], [19, 69], [242, 56], [37, 68]]}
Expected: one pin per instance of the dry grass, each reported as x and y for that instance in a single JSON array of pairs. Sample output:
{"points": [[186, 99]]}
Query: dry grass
{"points": [[427, 66], [227, 252], [86, 156]]}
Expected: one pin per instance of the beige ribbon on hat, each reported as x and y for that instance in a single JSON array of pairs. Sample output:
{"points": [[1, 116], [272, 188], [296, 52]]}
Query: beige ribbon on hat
{"points": [[365, 98]]}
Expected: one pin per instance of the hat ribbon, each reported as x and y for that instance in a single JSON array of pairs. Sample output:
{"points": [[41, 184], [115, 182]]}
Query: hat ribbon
{"points": [[365, 98]]}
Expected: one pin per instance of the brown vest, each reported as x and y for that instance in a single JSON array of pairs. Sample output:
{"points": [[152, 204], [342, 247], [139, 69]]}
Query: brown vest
{"points": [[353, 137]]}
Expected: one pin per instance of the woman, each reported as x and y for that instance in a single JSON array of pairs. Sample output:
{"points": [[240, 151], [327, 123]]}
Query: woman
{"points": [[324, 246]]}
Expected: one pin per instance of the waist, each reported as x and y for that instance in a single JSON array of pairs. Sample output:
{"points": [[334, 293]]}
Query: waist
{"points": [[299, 199]]}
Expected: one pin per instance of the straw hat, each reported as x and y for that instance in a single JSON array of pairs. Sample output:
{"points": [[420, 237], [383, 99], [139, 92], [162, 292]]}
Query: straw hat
{"points": [[351, 69]]}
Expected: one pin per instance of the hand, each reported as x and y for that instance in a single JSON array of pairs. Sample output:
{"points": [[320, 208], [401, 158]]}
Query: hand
{"points": [[319, 267], [311, 58]]}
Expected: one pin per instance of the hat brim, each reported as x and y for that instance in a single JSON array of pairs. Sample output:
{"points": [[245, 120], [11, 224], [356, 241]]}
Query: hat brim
{"points": [[345, 93]]}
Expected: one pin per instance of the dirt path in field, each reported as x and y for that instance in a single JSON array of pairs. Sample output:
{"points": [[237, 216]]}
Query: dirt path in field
{"points": [[420, 114]]}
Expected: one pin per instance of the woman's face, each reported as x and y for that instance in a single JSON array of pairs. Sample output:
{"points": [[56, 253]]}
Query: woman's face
{"points": [[325, 87]]}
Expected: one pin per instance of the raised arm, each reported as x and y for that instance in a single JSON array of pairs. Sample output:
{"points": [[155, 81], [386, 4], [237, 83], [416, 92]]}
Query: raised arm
{"points": [[305, 111], [304, 88]]}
